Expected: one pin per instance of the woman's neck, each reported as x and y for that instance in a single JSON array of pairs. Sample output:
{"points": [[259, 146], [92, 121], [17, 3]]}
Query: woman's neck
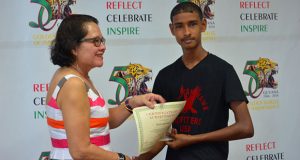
{"points": [[80, 71]]}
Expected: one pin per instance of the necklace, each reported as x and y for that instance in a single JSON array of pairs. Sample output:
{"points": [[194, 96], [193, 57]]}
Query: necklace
{"points": [[87, 79], [77, 69]]}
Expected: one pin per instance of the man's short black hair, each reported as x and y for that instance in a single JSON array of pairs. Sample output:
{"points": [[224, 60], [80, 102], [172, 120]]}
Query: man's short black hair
{"points": [[186, 7]]}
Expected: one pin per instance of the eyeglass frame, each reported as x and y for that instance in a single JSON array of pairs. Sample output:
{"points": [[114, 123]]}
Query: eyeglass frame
{"points": [[96, 40]]}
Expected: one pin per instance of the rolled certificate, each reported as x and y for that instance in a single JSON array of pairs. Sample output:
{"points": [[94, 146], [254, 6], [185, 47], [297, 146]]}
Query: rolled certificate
{"points": [[153, 124]]}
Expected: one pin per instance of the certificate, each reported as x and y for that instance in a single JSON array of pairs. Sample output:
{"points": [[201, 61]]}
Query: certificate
{"points": [[153, 124]]}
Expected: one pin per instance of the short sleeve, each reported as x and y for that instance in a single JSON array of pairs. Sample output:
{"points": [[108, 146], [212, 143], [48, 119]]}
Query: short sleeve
{"points": [[157, 87], [233, 88]]}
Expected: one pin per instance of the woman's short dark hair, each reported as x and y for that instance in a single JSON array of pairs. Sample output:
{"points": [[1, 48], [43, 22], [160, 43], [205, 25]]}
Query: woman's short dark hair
{"points": [[69, 33], [184, 7]]}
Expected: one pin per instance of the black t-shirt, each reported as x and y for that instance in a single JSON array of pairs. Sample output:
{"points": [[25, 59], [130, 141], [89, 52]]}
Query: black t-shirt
{"points": [[208, 89]]}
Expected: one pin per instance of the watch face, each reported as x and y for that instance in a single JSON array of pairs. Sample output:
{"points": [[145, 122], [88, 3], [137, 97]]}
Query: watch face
{"points": [[121, 156]]}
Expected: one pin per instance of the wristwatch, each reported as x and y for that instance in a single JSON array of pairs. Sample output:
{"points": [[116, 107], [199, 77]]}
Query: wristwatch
{"points": [[128, 106], [121, 156]]}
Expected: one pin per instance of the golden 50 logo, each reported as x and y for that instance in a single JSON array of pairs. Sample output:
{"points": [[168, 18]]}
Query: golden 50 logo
{"points": [[56, 9], [261, 72]]}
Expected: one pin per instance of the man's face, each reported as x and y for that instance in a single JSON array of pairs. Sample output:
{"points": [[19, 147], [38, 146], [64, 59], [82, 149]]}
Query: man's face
{"points": [[187, 28]]}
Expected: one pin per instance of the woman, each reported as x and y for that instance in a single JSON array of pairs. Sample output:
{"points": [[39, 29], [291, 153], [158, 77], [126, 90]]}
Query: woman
{"points": [[77, 116]]}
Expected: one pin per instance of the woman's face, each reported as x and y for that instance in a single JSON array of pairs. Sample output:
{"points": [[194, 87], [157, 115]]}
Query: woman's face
{"points": [[89, 53]]}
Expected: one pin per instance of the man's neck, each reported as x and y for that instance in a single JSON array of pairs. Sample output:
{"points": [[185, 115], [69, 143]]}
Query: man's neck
{"points": [[192, 58]]}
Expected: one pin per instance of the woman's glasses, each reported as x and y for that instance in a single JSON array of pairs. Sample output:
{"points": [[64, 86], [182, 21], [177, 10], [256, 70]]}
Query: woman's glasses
{"points": [[96, 40]]}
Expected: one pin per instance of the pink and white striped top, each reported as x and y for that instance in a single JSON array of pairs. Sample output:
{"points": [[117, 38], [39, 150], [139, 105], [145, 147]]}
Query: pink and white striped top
{"points": [[99, 127]]}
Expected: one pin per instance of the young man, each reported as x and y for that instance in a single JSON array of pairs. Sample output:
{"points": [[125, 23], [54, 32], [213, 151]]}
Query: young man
{"points": [[210, 86]]}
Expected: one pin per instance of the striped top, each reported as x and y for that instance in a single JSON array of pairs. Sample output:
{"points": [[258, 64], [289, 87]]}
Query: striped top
{"points": [[99, 127]]}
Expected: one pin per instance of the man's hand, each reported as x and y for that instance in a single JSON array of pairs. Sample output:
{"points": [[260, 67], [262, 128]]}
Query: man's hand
{"points": [[179, 140]]}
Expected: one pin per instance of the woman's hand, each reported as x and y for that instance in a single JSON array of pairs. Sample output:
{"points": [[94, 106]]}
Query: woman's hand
{"points": [[149, 99]]}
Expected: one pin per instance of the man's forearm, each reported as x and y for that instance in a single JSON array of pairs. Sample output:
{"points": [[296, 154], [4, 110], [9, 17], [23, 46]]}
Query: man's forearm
{"points": [[153, 152]]}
